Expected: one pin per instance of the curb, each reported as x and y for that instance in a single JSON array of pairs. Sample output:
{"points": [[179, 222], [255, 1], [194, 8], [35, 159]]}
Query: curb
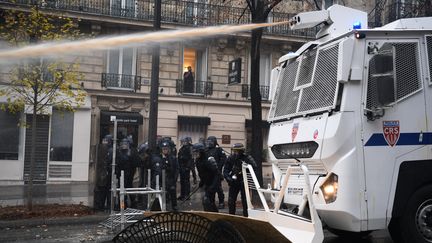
{"points": [[90, 219]]}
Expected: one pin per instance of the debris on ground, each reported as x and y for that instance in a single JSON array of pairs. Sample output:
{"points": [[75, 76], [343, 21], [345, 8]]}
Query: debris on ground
{"points": [[44, 211]]}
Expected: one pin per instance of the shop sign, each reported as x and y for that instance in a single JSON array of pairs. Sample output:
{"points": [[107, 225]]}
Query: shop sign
{"points": [[234, 71]]}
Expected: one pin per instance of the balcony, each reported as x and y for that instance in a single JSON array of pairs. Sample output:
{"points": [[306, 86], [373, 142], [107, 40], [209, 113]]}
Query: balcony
{"points": [[187, 13], [200, 88], [121, 81], [399, 10], [385, 13], [264, 91]]}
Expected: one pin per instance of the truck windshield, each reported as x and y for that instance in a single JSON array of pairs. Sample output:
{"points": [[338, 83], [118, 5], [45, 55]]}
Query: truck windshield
{"points": [[307, 84]]}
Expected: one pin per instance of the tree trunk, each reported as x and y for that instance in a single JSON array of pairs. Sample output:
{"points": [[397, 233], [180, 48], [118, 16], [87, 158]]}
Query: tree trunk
{"points": [[257, 138], [32, 160], [257, 143], [33, 39]]}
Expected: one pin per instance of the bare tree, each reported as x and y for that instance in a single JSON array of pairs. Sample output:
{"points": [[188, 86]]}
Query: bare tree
{"points": [[260, 10], [36, 85]]}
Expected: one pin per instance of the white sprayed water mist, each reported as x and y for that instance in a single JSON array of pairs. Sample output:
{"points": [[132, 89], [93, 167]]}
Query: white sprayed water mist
{"points": [[58, 48]]}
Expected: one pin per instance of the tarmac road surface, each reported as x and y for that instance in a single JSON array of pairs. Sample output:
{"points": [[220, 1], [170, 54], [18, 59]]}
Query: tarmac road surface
{"points": [[87, 229]]}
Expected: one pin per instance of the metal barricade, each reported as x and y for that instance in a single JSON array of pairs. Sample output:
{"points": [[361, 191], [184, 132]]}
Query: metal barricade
{"points": [[129, 215], [294, 226]]}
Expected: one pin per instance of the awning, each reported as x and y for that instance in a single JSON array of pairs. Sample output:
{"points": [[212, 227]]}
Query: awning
{"points": [[196, 120], [122, 117], [264, 124]]}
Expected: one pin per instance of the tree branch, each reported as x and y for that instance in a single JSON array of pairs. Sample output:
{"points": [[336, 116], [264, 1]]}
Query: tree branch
{"points": [[316, 5], [270, 6], [251, 5], [244, 11]]}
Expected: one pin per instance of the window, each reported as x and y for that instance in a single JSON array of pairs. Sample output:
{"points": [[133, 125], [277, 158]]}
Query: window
{"points": [[394, 73], [62, 123], [122, 66], [265, 69], [196, 12], [10, 133], [195, 131], [197, 60], [264, 76], [124, 8]]}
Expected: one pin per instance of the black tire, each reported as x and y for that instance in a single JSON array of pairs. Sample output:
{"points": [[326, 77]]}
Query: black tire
{"points": [[349, 234], [394, 230], [416, 223]]}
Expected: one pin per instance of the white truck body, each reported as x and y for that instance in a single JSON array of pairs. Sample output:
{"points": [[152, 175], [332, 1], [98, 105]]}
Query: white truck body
{"points": [[355, 106]]}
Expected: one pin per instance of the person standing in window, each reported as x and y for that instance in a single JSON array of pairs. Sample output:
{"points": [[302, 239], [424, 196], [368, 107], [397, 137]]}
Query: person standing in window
{"points": [[189, 80]]}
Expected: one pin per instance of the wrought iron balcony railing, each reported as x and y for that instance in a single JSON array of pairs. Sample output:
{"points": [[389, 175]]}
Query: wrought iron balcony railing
{"points": [[187, 13], [385, 13], [264, 91], [399, 10], [121, 81], [204, 88]]}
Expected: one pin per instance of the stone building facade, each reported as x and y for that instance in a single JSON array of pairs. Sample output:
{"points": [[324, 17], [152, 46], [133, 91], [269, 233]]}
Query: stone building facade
{"points": [[118, 80]]}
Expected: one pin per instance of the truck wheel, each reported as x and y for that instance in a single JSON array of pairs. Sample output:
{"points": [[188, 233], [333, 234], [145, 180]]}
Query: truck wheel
{"points": [[416, 223]]}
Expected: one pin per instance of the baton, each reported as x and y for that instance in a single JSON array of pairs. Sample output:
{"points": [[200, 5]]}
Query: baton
{"points": [[190, 194]]}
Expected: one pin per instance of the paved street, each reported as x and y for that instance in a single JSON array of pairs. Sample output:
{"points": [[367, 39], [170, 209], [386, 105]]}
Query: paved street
{"points": [[86, 229]]}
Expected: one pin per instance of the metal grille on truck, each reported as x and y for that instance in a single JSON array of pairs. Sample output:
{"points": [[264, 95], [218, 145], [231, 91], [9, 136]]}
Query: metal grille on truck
{"points": [[306, 68], [287, 98], [323, 89], [429, 55], [404, 69], [291, 100]]}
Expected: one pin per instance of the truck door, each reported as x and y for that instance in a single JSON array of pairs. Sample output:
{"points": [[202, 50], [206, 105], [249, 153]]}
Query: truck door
{"points": [[394, 117]]}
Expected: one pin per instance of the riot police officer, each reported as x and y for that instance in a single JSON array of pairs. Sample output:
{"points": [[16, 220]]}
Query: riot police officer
{"points": [[209, 176], [233, 175], [126, 161], [103, 174], [186, 165], [170, 164], [171, 143], [213, 150]]}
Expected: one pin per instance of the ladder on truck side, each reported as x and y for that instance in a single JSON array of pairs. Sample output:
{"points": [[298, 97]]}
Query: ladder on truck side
{"points": [[294, 227]]}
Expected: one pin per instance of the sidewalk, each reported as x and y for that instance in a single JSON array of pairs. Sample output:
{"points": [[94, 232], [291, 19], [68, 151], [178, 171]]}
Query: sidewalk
{"points": [[65, 229], [71, 193]]}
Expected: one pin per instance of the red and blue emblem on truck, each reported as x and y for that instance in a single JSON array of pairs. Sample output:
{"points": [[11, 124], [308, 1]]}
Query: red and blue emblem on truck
{"points": [[392, 136], [391, 131], [294, 131]]}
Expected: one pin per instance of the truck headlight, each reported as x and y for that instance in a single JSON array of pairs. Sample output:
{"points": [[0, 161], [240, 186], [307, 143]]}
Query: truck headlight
{"points": [[329, 188], [296, 150]]}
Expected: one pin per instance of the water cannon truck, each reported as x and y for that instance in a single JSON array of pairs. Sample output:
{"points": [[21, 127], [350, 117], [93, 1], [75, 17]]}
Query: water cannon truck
{"points": [[350, 140]]}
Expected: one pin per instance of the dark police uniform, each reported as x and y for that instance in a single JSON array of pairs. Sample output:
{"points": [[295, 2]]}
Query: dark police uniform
{"points": [[219, 155], [186, 165], [233, 175], [209, 177]]}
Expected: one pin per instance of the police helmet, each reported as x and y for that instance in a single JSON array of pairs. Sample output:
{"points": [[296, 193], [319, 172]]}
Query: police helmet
{"points": [[211, 141], [165, 145], [108, 139], [198, 148], [124, 144], [239, 147], [143, 148]]}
